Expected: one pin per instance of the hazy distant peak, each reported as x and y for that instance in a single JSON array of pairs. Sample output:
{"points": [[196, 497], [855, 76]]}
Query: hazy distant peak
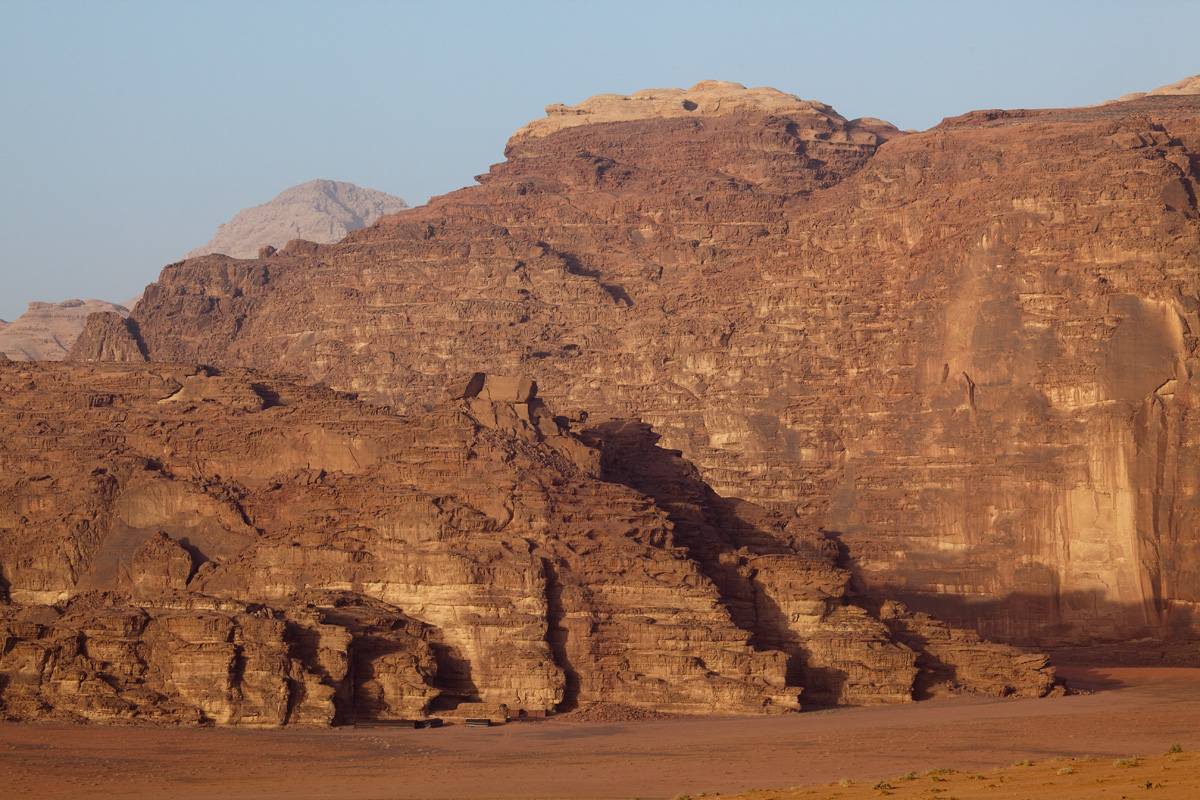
{"points": [[47, 330], [320, 211]]}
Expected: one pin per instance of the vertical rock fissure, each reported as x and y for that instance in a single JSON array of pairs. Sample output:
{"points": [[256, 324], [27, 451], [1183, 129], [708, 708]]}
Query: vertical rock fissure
{"points": [[1163, 488], [558, 636]]}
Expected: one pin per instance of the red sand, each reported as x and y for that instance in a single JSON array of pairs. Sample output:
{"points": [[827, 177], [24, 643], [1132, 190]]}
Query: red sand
{"points": [[1134, 711]]}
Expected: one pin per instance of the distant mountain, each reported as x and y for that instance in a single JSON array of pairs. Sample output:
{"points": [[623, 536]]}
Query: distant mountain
{"points": [[320, 211], [47, 330], [1189, 85]]}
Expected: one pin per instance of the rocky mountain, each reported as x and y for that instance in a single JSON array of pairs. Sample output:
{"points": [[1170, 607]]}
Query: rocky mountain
{"points": [[319, 211], [968, 354], [47, 331], [220, 546], [835, 402]]}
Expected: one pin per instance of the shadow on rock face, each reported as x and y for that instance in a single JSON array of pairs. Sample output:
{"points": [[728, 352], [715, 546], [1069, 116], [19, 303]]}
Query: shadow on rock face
{"points": [[779, 583]]}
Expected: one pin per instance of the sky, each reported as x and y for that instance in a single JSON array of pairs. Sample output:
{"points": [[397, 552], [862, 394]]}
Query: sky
{"points": [[131, 130]]}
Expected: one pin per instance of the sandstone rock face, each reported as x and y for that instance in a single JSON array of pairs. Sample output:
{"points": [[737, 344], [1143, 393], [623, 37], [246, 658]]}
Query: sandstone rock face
{"points": [[320, 211], [1189, 85], [950, 658], [968, 354], [192, 659], [706, 99], [186, 544], [779, 581], [110, 337], [47, 331]]}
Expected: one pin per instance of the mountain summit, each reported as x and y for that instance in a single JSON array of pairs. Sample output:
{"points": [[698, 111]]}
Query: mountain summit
{"points": [[320, 211]]}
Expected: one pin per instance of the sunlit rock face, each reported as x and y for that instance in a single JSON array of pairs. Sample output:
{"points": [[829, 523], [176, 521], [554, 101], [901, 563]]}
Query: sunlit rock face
{"points": [[1028, 456], [968, 355], [187, 544]]}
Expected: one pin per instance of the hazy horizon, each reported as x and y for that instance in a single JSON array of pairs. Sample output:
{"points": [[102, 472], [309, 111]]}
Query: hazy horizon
{"points": [[132, 129]]}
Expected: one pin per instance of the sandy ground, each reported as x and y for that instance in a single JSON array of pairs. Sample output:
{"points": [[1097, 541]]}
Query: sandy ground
{"points": [[1170, 777], [1132, 712]]}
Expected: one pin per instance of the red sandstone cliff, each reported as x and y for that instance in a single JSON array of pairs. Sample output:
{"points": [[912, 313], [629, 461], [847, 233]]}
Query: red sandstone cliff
{"points": [[185, 544], [968, 354]]}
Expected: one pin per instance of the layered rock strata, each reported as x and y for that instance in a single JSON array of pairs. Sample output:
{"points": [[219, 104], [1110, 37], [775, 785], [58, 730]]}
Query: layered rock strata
{"points": [[455, 560], [968, 354], [186, 544], [47, 331]]}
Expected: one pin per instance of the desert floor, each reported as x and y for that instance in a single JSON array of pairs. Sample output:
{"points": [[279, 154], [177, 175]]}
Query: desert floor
{"points": [[841, 753]]}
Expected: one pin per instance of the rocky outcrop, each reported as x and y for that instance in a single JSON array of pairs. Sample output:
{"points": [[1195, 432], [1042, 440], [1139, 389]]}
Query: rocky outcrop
{"points": [[47, 331], [967, 354], [319, 211], [1190, 85], [810, 121], [471, 546], [780, 581], [951, 659], [108, 338], [180, 657], [200, 545]]}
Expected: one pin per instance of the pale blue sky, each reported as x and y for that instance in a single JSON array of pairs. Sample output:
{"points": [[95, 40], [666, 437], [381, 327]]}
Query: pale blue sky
{"points": [[130, 130]]}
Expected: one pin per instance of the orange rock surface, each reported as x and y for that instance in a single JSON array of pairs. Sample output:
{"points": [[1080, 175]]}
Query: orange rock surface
{"points": [[967, 354], [182, 543]]}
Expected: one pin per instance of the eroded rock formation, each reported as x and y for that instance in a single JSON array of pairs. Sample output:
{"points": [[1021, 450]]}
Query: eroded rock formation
{"points": [[968, 354], [47, 331], [110, 337], [181, 543], [1189, 85]]}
